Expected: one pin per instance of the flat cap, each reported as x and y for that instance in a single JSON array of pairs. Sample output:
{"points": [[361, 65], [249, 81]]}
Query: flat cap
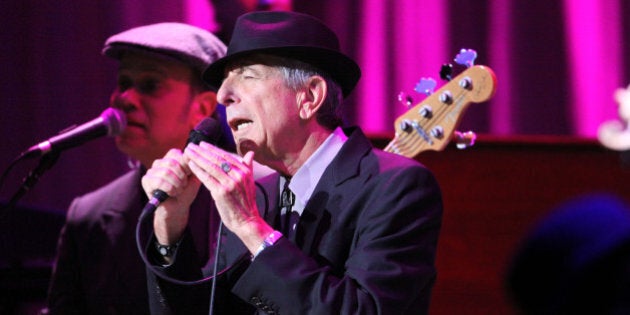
{"points": [[189, 44]]}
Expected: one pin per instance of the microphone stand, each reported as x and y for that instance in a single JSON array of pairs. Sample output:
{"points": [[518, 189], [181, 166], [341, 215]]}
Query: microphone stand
{"points": [[45, 163]]}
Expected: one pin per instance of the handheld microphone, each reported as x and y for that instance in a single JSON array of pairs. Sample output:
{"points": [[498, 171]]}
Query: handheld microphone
{"points": [[208, 130], [110, 123]]}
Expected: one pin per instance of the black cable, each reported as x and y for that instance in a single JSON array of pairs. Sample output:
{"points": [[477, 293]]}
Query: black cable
{"points": [[148, 211], [218, 247], [215, 267]]}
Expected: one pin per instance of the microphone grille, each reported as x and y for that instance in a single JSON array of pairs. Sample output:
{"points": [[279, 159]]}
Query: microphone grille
{"points": [[207, 130], [115, 120]]}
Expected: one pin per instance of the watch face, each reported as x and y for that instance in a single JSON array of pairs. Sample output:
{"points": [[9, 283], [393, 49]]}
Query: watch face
{"points": [[165, 250]]}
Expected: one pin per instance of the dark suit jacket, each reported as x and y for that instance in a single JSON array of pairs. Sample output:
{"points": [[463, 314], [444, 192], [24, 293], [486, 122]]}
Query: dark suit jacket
{"points": [[365, 244], [98, 269]]}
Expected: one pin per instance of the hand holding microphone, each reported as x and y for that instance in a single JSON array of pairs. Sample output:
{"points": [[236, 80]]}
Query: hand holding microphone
{"points": [[208, 130], [171, 177], [228, 177]]}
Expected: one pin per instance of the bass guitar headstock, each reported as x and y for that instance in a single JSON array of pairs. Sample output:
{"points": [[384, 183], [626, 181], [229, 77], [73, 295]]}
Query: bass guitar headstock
{"points": [[431, 123]]}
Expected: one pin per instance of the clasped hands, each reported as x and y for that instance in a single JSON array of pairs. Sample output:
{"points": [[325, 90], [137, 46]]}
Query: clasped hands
{"points": [[229, 179]]}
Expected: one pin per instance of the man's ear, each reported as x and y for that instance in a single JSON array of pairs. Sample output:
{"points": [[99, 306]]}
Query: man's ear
{"points": [[313, 97], [204, 105]]}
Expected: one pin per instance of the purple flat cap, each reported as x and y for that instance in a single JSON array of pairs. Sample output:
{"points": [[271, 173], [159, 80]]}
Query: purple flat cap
{"points": [[186, 43]]}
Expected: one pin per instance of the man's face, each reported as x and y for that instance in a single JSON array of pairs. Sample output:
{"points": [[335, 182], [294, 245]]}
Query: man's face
{"points": [[261, 110], [156, 96]]}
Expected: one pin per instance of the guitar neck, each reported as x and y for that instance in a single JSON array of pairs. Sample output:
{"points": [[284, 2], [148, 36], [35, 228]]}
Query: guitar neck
{"points": [[391, 147]]}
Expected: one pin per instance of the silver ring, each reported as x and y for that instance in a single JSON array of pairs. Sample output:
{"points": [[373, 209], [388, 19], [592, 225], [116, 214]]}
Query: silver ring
{"points": [[226, 167]]}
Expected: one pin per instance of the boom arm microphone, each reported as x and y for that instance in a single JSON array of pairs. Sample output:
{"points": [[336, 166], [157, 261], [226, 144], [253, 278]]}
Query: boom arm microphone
{"points": [[110, 123], [208, 130]]}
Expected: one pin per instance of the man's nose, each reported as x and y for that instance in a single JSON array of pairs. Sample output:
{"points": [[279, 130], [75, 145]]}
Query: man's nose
{"points": [[225, 94], [126, 101]]}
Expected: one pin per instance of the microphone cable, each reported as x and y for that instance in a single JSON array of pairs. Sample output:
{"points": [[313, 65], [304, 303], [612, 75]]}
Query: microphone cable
{"points": [[148, 212]]}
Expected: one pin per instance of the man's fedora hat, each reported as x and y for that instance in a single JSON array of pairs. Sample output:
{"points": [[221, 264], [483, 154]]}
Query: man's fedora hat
{"points": [[292, 35]]}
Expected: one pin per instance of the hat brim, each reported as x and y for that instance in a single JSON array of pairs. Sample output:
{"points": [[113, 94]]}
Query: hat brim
{"points": [[341, 69], [117, 50]]}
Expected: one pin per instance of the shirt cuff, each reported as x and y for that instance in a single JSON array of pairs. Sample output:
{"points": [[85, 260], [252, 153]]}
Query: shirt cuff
{"points": [[271, 239]]}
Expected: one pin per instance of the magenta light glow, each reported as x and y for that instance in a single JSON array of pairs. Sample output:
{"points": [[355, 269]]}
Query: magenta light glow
{"points": [[501, 113], [200, 13], [594, 51], [400, 44]]}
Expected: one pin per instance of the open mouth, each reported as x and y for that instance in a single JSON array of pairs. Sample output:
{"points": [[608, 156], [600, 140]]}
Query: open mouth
{"points": [[240, 124]]}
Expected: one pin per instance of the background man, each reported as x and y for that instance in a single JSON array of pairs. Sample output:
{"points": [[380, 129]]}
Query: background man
{"points": [[98, 270]]}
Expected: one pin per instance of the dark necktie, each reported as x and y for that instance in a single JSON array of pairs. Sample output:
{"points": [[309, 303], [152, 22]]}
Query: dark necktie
{"points": [[289, 218]]}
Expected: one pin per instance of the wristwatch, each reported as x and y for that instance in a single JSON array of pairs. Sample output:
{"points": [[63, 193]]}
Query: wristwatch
{"points": [[165, 250]]}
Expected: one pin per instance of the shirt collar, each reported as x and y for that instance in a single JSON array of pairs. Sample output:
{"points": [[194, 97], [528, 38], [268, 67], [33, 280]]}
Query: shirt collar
{"points": [[305, 180]]}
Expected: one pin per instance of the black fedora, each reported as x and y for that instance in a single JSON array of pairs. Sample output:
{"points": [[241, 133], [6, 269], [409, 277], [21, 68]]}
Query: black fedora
{"points": [[288, 34]]}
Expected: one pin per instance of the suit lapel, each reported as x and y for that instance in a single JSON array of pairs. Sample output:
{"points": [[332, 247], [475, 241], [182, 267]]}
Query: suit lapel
{"points": [[316, 217], [126, 205], [267, 198]]}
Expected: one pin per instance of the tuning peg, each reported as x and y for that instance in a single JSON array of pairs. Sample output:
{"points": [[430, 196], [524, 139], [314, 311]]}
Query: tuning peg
{"points": [[464, 140], [426, 86], [405, 99], [437, 132], [466, 83], [446, 97], [466, 57], [446, 72], [426, 111]]}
